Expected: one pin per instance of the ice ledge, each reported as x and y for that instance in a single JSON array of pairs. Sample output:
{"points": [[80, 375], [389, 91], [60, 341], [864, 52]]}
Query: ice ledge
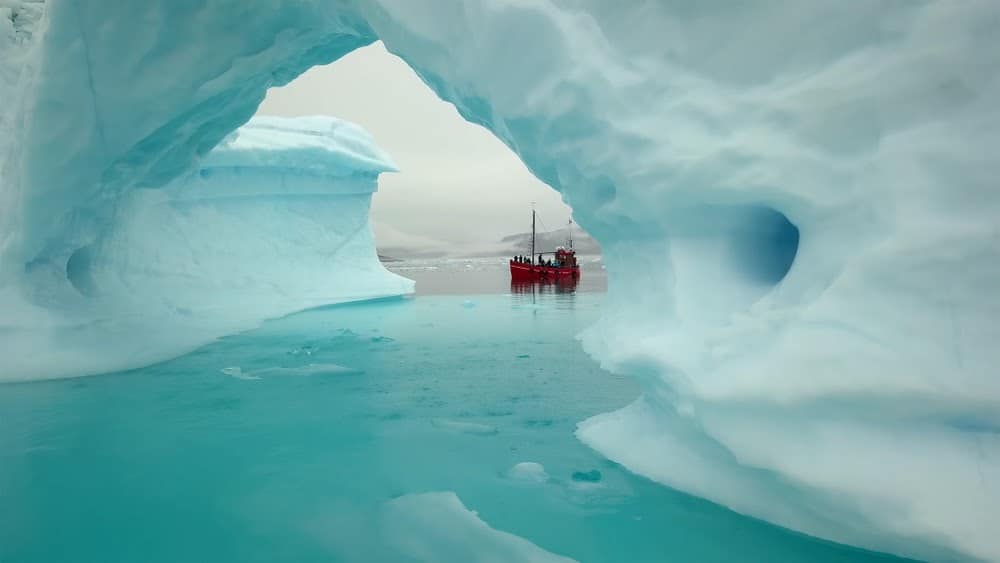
{"points": [[315, 145]]}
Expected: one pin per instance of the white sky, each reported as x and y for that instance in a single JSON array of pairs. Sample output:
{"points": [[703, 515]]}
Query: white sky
{"points": [[457, 183]]}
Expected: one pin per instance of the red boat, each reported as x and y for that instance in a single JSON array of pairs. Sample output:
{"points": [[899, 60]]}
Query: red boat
{"points": [[561, 267]]}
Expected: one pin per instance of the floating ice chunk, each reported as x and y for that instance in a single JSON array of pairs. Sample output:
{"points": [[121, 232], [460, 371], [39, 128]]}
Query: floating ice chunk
{"points": [[528, 471], [438, 528], [464, 427], [306, 370], [237, 372], [303, 350]]}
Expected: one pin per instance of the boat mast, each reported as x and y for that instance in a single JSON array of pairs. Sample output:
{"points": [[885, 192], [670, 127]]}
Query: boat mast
{"points": [[532, 233], [570, 228]]}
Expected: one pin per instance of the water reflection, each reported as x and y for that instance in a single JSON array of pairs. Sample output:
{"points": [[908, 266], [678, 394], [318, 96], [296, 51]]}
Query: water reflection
{"points": [[477, 276], [560, 292], [547, 287]]}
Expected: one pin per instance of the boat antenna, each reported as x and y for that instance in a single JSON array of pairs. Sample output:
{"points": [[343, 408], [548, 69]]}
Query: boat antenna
{"points": [[532, 232], [569, 226]]}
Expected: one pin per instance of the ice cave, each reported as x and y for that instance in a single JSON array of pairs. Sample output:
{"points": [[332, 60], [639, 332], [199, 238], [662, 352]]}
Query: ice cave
{"points": [[815, 343]]}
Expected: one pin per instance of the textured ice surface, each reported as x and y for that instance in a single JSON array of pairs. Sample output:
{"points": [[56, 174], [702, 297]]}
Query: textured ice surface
{"points": [[304, 146], [275, 220], [797, 205], [19, 31]]}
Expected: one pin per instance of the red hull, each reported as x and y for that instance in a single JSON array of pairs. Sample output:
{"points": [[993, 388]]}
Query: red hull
{"points": [[530, 273]]}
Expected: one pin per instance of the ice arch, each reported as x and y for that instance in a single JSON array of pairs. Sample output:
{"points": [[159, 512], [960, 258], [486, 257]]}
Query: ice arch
{"points": [[854, 397]]}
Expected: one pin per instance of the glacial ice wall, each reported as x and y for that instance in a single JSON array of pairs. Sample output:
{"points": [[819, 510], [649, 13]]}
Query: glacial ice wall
{"points": [[274, 220], [797, 203]]}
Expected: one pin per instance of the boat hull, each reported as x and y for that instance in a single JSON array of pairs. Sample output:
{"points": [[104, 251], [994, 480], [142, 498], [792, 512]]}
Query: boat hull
{"points": [[530, 273]]}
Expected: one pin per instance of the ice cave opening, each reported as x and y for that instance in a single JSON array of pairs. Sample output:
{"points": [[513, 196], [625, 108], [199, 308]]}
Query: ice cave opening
{"points": [[849, 148], [458, 190]]}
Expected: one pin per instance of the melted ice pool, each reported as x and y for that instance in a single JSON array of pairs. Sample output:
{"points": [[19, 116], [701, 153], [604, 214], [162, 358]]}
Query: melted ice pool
{"points": [[436, 429]]}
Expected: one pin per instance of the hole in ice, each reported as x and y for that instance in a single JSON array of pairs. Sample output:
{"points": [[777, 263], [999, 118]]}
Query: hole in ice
{"points": [[726, 257], [78, 270], [752, 244], [764, 246]]}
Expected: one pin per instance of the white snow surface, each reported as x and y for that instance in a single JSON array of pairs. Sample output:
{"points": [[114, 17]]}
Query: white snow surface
{"points": [[797, 202]]}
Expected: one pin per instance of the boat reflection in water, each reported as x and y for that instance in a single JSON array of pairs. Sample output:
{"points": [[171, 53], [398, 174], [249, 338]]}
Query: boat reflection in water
{"points": [[560, 294], [547, 287]]}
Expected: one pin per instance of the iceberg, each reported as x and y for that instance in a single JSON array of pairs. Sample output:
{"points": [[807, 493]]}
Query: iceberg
{"points": [[274, 220], [797, 207]]}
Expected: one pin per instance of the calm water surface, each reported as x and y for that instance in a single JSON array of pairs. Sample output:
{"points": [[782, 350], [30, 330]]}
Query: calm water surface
{"points": [[318, 436]]}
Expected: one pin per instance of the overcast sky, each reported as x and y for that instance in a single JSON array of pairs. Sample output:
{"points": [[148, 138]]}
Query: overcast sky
{"points": [[457, 183]]}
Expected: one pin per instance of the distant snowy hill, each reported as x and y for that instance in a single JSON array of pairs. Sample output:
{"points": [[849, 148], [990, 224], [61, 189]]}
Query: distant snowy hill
{"points": [[520, 243]]}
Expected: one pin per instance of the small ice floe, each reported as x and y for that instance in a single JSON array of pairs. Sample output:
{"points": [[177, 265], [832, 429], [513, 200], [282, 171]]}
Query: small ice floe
{"points": [[307, 350], [528, 472], [307, 370], [464, 427], [236, 372], [435, 527], [468, 303]]}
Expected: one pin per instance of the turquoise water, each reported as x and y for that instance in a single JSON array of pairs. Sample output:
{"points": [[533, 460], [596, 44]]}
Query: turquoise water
{"points": [[287, 442]]}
